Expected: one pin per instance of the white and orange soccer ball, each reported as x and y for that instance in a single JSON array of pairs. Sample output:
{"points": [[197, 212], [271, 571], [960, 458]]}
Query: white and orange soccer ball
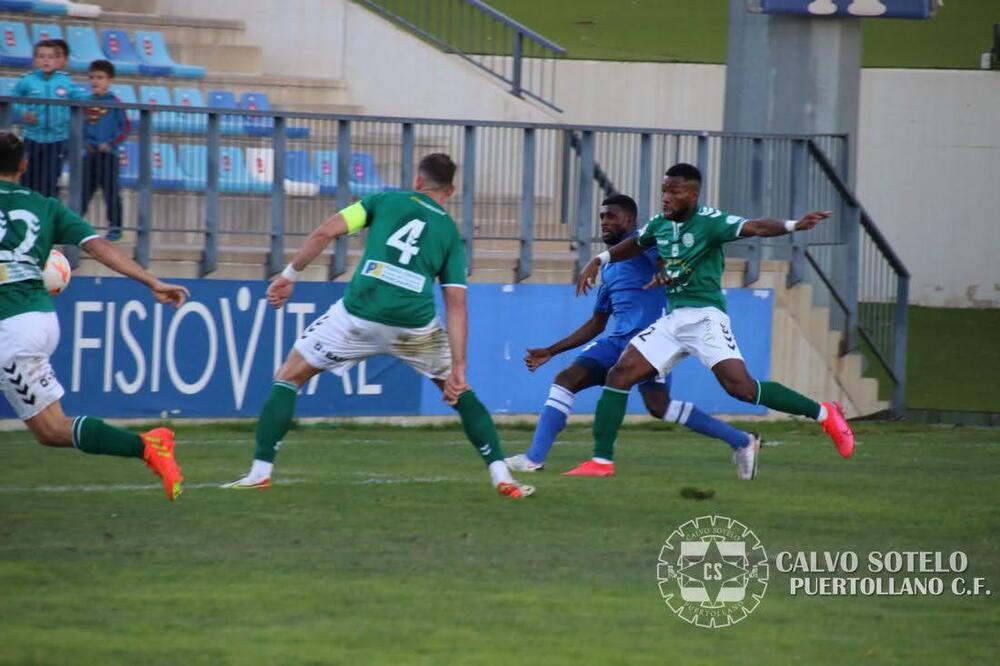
{"points": [[57, 273]]}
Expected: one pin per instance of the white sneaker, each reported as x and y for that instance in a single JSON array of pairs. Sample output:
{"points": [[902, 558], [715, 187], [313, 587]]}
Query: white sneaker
{"points": [[248, 482], [746, 458], [521, 463]]}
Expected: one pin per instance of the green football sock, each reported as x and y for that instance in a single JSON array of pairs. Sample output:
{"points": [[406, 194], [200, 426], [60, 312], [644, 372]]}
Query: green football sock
{"points": [[92, 435], [607, 421], [275, 419], [479, 428], [783, 399]]}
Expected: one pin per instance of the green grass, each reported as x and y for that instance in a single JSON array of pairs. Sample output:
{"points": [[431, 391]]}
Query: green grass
{"points": [[695, 31], [381, 546], [948, 357]]}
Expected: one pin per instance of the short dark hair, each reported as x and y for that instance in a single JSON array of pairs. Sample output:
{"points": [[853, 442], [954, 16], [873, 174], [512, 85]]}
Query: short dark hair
{"points": [[438, 169], [43, 44], [62, 45], [102, 66], [685, 171], [11, 152], [623, 201]]}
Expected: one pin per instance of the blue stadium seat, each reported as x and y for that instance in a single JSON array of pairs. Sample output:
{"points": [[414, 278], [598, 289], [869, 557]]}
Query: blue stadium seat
{"points": [[15, 49], [234, 176], [223, 99], [15, 5], [166, 170], [153, 51], [53, 8], [7, 84], [126, 93], [163, 121], [365, 178], [40, 31], [193, 159], [84, 48], [194, 123], [255, 126], [81, 89], [118, 49], [299, 177], [128, 164], [325, 171]]}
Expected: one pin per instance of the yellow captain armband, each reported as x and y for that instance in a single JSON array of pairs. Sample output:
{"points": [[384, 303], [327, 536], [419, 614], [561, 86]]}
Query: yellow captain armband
{"points": [[355, 216]]}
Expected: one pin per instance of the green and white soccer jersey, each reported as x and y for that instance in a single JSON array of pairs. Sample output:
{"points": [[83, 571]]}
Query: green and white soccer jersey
{"points": [[30, 225], [411, 242], [693, 256]]}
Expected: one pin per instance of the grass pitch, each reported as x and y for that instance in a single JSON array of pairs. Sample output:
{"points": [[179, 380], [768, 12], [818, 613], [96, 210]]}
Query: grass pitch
{"points": [[387, 546]]}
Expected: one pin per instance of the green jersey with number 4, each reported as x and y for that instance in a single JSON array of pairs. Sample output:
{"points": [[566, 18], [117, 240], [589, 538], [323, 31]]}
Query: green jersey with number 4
{"points": [[692, 255], [30, 225], [411, 242]]}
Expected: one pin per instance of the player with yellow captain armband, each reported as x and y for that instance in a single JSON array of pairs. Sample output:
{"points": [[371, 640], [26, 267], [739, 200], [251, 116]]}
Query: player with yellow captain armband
{"points": [[388, 309]]}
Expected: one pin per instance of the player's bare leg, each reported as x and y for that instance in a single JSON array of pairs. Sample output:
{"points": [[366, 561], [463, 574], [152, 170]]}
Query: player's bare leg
{"points": [[630, 369], [275, 419], [736, 380], [481, 431], [51, 427]]}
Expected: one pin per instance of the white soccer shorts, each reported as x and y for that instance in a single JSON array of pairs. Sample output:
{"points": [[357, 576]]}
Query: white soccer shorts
{"points": [[26, 377], [705, 333], [337, 340]]}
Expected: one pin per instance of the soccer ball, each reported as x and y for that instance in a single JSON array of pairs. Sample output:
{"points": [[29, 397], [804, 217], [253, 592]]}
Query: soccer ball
{"points": [[56, 274]]}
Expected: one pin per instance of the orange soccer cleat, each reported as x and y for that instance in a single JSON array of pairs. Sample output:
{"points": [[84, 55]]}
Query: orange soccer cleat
{"points": [[835, 425], [159, 457], [592, 468], [515, 490]]}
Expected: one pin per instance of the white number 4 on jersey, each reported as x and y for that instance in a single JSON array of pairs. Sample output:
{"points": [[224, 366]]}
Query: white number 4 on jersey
{"points": [[405, 240]]}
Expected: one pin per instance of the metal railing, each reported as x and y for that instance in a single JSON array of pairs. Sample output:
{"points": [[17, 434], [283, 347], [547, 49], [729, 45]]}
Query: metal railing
{"points": [[485, 37], [214, 186]]}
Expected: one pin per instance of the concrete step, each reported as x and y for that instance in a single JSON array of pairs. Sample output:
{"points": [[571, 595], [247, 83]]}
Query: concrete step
{"points": [[219, 58], [176, 29], [143, 6]]}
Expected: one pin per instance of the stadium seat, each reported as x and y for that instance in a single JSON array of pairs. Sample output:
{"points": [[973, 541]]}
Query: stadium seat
{"points": [[163, 121], [256, 126], [299, 177], [49, 7], [118, 49], [365, 178], [40, 31], [153, 51], [78, 9], [233, 173], [193, 159], [84, 48], [7, 84], [325, 171], [223, 99], [15, 49], [194, 123], [128, 164], [15, 5], [126, 93], [81, 89], [166, 170]]}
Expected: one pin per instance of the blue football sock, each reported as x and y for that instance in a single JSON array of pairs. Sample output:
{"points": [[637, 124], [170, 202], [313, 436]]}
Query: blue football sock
{"points": [[550, 423], [688, 415]]}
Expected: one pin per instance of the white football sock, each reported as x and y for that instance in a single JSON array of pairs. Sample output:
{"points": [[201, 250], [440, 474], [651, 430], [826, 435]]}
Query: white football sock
{"points": [[260, 469], [500, 473], [822, 414]]}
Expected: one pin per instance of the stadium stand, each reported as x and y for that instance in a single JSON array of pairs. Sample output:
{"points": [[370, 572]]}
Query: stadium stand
{"points": [[118, 49], [15, 48], [365, 178], [84, 48], [40, 31], [153, 52], [325, 171], [258, 101]]}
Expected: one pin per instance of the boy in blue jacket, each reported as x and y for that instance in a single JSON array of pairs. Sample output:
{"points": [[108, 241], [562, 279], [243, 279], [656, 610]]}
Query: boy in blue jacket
{"points": [[104, 130], [46, 128]]}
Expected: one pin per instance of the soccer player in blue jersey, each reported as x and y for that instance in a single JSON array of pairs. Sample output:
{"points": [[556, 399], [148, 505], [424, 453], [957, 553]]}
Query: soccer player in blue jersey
{"points": [[630, 307]]}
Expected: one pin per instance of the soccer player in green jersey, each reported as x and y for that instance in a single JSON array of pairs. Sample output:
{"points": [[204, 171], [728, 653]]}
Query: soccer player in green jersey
{"points": [[30, 225], [388, 309], [690, 239]]}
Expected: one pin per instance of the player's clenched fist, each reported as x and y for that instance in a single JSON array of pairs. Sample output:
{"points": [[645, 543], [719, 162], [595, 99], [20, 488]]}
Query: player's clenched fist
{"points": [[536, 358], [170, 294]]}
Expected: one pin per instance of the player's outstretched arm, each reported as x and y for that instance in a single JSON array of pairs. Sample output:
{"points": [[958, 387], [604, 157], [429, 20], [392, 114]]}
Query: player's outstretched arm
{"points": [[457, 316], [280, 289], [767, 227], [590, 329], [111, 256], [623, 251]]}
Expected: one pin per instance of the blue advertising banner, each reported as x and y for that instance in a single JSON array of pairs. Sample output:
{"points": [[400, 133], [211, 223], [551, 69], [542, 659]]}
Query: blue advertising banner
{"points": [[123, 355], [912, 9]]}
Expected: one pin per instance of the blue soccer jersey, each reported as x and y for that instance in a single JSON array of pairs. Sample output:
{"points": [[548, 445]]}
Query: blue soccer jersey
{"points": [[621, 294]]}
